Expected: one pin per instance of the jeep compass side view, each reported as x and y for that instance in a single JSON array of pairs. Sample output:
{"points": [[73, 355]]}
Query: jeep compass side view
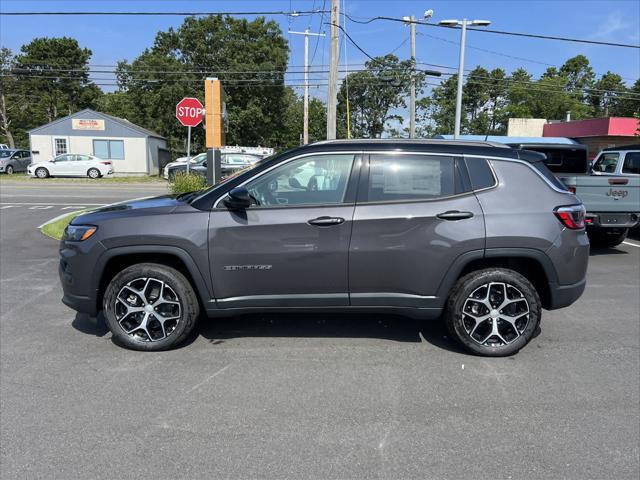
{"points": [[477, 233]]}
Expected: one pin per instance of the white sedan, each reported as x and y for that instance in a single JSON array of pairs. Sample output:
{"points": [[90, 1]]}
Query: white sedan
{"points": [[71, 165]]}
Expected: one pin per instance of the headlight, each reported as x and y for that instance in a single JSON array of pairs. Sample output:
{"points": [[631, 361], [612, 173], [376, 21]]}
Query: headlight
{"points": [[78, 233]]}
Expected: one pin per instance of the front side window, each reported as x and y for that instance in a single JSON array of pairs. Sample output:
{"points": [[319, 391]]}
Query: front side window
{"points": [[312, 180], [109, 149], [631, 163], [606, 163], [60, 146], [411, 177]]}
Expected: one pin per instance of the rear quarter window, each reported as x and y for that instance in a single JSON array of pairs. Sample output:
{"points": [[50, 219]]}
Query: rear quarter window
{"points": [[548, 174]]}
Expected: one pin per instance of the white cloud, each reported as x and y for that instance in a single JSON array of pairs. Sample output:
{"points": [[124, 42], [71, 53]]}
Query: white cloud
{"points": [[614, 25]]}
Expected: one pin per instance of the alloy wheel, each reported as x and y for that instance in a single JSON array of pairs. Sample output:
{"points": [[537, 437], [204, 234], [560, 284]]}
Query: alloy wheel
{"points": [[147, 309], [495, 314]]}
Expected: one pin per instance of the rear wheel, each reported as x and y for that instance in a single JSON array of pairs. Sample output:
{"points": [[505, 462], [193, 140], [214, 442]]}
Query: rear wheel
{"points": [[150, 307], [493, 312], [93, 173], [607, 237], [9, 170], [42, 172]]}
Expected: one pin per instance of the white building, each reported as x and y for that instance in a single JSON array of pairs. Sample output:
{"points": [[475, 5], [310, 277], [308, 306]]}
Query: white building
{"points": [[133, 150]]}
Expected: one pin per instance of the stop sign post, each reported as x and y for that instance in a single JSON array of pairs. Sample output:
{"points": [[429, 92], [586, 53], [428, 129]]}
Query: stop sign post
{"points": [[189, 112]]}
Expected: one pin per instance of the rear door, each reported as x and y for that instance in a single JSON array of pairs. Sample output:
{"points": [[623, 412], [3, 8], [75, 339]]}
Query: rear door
{"points": [[414, 216], [290, 248]]}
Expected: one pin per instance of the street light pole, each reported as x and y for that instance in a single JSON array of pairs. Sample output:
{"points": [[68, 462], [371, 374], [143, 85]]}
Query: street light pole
{"points": [[305, 128], [463, 36]]}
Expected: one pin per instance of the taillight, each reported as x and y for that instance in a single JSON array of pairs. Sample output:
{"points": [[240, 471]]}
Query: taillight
{"points": [[572, 189], [572, 216]]}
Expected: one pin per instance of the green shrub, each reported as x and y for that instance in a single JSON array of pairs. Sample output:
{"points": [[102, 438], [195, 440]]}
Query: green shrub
{"points": [[183, 183]]}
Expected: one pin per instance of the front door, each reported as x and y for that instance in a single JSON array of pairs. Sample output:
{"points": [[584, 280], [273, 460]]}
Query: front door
{"points": [[290, 247], [413, 218], [63, 165]]}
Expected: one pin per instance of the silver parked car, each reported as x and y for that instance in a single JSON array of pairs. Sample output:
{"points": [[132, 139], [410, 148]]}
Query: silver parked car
{"points": [[12, 160]]}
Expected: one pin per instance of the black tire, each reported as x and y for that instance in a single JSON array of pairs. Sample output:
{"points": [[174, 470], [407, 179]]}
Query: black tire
{"points": [[458, 322], [607, 238], [137, 338], [93, 173], [9, 170], [42, 172]]}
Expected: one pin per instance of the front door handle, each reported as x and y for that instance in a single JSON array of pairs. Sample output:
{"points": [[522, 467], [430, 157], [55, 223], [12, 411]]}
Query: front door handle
{"points": [[326, 221], [454, 215]]}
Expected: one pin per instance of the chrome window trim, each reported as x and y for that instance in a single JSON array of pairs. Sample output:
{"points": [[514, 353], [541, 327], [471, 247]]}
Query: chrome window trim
{"points": [[297, 157]]}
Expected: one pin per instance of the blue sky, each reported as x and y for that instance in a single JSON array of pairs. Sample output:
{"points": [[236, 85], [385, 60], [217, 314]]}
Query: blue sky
{"points": [[116, 38]]}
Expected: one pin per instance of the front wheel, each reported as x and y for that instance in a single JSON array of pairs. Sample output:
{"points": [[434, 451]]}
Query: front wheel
{"points": [[493, 312], [150, 307], [9, 170], [93, 173], [42, 172]]}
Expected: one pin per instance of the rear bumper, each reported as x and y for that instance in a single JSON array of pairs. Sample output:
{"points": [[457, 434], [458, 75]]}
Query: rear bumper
{"points": [[612, 219], [564, 295]]}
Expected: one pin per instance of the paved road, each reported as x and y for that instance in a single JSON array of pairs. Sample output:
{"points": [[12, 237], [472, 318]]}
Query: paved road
{"points": [[312, 396]]}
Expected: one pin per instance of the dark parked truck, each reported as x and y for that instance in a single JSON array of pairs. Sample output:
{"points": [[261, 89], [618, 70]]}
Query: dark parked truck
{"points": [[610, 193]]}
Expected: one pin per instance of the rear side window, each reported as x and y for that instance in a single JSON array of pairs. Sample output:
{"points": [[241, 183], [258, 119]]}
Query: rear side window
{"points": [[412, 177], [631, 163], [548, 174], [480, 173]]}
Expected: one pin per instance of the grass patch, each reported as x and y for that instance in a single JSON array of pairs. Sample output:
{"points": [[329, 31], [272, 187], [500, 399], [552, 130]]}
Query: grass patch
{"points": [[184, 183], [23, 178], [56, 229]]}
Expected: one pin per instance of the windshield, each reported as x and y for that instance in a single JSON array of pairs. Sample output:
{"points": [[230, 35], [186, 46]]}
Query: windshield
{"points": [[199, 158], [5, 153]]}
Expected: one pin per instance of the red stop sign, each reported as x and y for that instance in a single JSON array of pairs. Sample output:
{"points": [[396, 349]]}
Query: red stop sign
{"points": [[189, 111]]}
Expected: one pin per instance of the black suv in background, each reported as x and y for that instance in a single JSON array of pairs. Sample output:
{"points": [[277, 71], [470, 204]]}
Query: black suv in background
{"points": [[479, 233]]}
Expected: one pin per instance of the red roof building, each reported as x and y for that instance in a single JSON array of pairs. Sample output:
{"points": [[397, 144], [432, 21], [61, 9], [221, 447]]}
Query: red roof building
{"points": [[597, 133]]}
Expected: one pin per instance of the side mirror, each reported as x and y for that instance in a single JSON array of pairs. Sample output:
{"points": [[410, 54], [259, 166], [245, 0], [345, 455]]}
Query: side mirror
{"points": [[237, 199]]}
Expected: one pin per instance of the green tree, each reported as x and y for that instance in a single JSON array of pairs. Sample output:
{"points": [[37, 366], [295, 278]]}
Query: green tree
{"points": [[374, 94], [294, 118], [250, 57], [605, 97], [7, 92], [58, 70]]}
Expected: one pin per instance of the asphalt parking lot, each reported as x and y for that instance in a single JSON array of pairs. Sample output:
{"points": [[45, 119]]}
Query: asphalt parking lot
{"points": [[307, 396]]}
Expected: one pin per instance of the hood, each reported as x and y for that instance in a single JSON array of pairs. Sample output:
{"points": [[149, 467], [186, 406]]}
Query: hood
{"points": [[163, 204]]}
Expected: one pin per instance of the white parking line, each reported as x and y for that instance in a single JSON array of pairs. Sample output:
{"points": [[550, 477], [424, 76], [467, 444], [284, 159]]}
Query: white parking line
{"points": [[632, 244]]}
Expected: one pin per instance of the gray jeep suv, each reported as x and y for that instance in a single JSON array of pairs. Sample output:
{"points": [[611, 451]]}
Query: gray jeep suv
{"points": [[480, 233]]}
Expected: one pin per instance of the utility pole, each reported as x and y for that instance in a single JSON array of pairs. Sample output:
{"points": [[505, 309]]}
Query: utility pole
{"points": [[332, 96], [305, 128], [412, 102]]}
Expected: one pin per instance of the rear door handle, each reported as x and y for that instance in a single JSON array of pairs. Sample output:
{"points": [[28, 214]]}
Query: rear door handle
{"points": [[454, 215], [326, 221]]}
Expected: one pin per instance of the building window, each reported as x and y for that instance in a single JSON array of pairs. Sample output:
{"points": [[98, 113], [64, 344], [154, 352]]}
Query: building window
{"points": [[109, 149], [60, 146]]}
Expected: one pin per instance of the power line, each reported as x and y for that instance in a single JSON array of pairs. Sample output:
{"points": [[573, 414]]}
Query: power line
{"points": [[178, 14], [501, 32]]}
